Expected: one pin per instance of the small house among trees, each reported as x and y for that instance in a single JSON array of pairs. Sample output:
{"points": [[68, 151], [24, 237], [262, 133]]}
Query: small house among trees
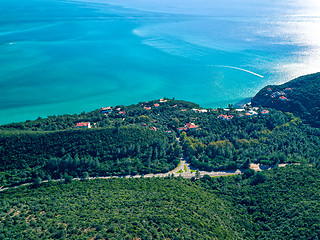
{"points": [[83, 125]]}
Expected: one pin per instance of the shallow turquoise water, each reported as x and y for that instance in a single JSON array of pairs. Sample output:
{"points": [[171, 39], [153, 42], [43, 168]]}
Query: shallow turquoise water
{"points": [[71, 56]]}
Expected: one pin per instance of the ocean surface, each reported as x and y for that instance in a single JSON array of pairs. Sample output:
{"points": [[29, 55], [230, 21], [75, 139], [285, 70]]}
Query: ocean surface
{"points": [[69, 56]]}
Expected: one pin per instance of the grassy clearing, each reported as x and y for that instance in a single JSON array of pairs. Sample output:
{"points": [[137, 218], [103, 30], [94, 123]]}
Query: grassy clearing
{"points": [[185, 168]]}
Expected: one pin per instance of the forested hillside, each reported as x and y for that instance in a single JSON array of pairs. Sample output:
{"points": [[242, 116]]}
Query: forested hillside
{"points": [[142, 138], [282, 204], [277, 204], [104, 152], [150, 208], [300, 96], [272, 139]]}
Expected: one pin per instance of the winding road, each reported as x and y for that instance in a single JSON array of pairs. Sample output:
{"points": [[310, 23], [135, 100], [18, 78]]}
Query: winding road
{"points": [[185, 174], [183, 169]]}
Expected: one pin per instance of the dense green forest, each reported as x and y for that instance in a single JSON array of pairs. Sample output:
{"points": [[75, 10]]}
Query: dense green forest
{"points": [[144, 141], [272, 139], [300, 96], [142, 138], [99, 152], [278, 204]]}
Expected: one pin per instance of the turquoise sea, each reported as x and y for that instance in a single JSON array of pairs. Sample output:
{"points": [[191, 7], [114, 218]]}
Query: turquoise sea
{"points": [[69, 56]]}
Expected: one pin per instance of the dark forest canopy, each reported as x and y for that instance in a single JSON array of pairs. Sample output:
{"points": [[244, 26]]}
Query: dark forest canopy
{"points": [[276, 204]]}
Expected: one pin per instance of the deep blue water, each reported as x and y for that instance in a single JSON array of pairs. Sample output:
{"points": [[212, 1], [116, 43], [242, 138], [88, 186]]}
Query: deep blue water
{"points": [[61, 56]]}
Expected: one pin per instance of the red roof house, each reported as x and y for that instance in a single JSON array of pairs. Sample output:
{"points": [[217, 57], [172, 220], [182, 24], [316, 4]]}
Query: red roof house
{"points": [[283, 98], [153, 128], [122, 113], [83, 125], [191, 126], [182, 129], [225, 117], [106, 109], [188, 126]]}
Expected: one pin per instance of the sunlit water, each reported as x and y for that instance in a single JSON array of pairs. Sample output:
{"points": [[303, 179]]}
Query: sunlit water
{"points": [[71, 56]]}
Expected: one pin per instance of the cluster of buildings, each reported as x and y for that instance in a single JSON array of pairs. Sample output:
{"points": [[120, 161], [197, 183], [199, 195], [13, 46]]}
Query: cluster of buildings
{"points": [[282, 95], [225, 117], [188, 126], [251, 112], [108, 110], [156, 105], [191, 126], [200, 110]]}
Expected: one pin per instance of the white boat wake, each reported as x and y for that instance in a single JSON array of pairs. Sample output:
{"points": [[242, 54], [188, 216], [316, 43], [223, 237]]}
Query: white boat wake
{"points": [[241, 69]]}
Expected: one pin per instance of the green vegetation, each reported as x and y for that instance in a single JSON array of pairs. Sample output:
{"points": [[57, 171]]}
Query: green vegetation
{"points": [[303, 96], [144, 141], [185, 168], [277, 204], [148, 208], [282, 203], [109, 151], [268, 139], [151, 137]]}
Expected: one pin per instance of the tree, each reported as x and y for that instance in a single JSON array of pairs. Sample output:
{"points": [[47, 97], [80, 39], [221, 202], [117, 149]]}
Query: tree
{"points": [[175, 122], [247, 163], [37, 182], [206, 177], [68, 179], [258, 178], [230, 106], [85, 176], [197, 174], [248, 173]]}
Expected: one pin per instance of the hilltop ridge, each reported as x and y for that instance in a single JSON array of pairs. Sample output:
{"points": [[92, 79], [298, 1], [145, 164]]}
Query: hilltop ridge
{"points": [[300, 96]]}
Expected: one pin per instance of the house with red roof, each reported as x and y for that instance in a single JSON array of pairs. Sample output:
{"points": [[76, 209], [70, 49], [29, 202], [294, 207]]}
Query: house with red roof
{"points": [[83, 125], [188, 126], [269, 89], [191, 126], [225, 117], [147, 108], [122, 113], [153, 128], [265, 112], [156, 105], [283, 98], [106, 110]]}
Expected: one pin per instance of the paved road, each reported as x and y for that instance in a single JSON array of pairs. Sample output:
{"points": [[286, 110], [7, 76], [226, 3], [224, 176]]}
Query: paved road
{"points": [[181, 166], [188, 174]]}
